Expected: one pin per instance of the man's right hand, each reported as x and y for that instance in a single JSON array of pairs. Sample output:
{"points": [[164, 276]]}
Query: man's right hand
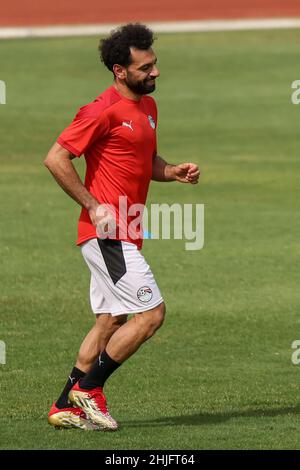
{"points": [[94, 215], [103, 217]]}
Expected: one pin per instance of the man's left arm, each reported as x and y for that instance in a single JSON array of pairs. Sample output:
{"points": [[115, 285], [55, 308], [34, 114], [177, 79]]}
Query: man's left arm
{"points": [[184, 172]]}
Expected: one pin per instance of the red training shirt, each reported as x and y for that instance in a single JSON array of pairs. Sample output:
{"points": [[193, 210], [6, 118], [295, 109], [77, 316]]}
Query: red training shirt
{"points": [[118, 139]]}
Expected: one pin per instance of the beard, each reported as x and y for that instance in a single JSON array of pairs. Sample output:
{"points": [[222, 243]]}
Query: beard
{"points": [[140, 87]]}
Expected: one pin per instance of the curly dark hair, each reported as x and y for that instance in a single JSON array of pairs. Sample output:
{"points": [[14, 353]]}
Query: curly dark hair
{"points": [[115, 49]]}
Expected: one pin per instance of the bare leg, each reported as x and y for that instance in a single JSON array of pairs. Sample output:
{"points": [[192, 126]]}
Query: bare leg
{"points": [[131, 335], [97, 339], [121, 345]]}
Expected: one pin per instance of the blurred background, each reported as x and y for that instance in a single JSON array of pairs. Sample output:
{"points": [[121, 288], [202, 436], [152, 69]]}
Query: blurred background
{"points": [[43, 12]]}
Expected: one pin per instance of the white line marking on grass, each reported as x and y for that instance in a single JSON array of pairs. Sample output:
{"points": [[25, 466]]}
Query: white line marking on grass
{"points": [[159, 27]]}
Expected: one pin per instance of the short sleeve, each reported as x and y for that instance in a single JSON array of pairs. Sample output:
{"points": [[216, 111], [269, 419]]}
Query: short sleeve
{"points": [[89, 125]]}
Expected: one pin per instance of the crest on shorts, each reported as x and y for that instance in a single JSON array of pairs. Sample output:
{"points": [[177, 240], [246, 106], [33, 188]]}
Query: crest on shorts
{"points": [[144, 294], [152, 122]]}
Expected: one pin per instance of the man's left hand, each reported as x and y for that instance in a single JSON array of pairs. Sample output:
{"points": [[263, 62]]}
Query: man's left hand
{"points": [[186, 173]]}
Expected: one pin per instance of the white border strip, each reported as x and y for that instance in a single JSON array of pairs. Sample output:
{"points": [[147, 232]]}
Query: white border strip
{"points": [[159, 27]]}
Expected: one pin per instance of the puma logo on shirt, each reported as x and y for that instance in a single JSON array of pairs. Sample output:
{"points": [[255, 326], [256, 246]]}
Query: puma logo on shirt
{"points": [[127, 124]]}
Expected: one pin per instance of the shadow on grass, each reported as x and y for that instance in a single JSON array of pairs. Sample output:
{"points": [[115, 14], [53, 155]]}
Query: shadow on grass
{"points": [[211, 418]]}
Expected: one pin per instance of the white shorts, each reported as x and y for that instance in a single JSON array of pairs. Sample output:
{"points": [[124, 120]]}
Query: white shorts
{"points": [[121, 280]]}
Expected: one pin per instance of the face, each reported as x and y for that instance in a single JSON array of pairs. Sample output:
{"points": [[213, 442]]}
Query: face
{"points": [[141, 74]]}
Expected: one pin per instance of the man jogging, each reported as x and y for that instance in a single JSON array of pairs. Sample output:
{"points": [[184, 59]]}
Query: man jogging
{"points": [[117, 135]]}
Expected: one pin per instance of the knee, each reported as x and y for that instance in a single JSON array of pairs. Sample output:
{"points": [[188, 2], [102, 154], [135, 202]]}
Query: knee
{"points": [[153, 320], [159, 316]]}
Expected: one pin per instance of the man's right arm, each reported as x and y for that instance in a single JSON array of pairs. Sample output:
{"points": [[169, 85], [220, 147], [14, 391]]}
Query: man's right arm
{"points": [[58, 162]]}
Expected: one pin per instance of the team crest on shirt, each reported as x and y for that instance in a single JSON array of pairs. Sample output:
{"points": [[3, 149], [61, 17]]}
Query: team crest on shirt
{"points": [[151, 121], [144, 294]]}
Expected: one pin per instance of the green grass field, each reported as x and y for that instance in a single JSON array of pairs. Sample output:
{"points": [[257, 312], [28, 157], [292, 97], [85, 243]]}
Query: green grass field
{"points": [[218, 375]]}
